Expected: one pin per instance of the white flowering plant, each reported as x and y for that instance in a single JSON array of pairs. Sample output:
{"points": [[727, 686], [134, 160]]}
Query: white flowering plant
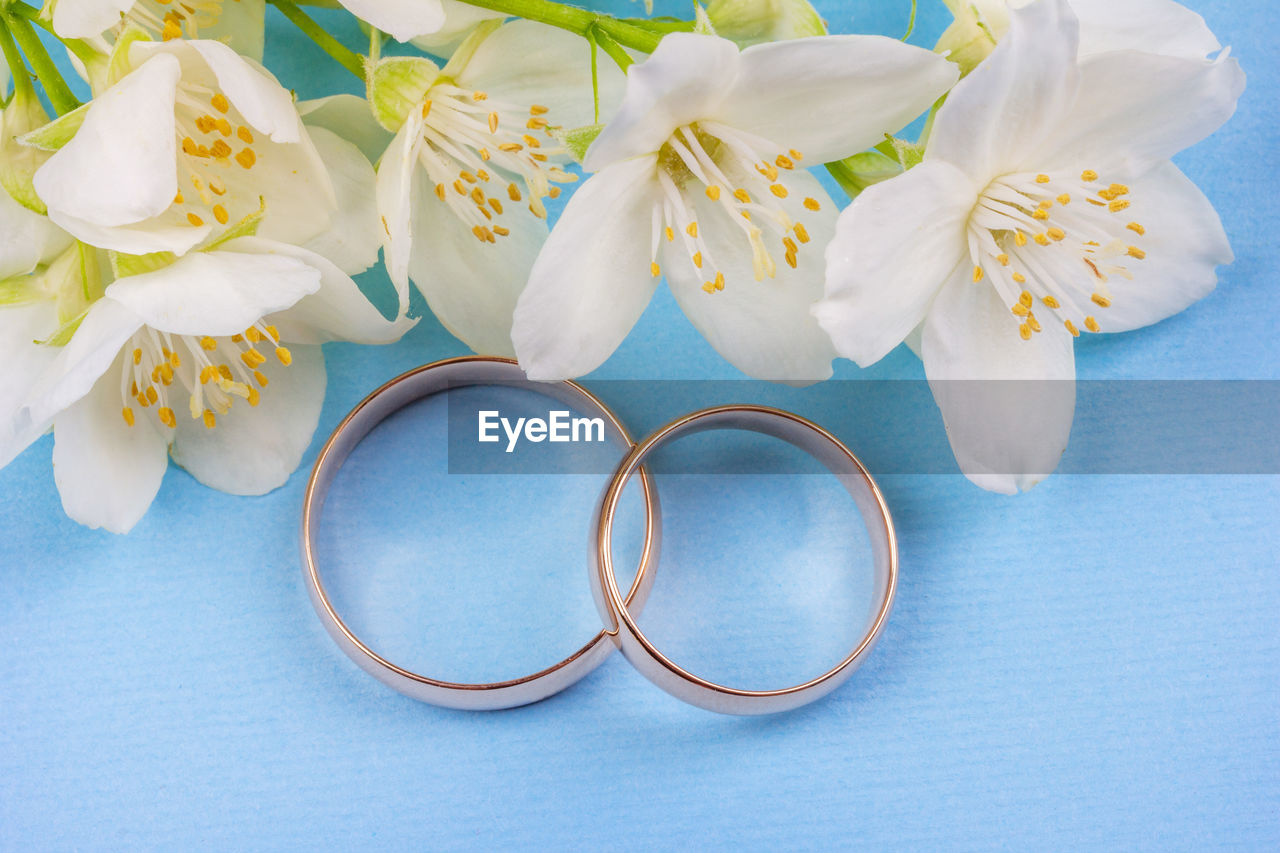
{"points": [[175, 247]]}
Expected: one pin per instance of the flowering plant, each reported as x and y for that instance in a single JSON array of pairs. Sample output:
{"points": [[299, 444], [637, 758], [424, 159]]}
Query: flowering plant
{"points": [[175, 248]]}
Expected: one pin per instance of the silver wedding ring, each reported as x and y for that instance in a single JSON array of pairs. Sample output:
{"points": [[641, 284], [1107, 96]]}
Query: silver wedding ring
{"points": [[617, 610]]}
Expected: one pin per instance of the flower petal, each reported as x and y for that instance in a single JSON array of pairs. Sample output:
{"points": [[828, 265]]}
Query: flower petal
{"points": [[592, 280], [684, 80], [1138, 109], [894, 248], [26, 238], [403, 19], [1015, 98], [833, 96], [351, 118], [106, 175], [394, 193], [337, 311], [354, 234], [86, 19], [526, 63], [1184, 243], [79, 364], [1006, 435], [24, 361], [215, 293], [1152, 26], [459, 20], [253, 450], [255, 93], [241, 25], [765, 328], [107, 472], [471, 285]]}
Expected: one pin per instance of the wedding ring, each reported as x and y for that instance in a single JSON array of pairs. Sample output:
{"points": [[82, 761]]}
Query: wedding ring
{"points": [[396, 394], [620, 620]]}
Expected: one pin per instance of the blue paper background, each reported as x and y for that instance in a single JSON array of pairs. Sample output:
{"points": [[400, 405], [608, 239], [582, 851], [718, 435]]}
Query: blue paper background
{"points": [[1093, 664]]}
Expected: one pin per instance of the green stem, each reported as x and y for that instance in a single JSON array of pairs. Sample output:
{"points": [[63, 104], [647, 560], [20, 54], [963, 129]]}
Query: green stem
{"points": [[911, 24], [17, 68], [612, 48], [341, 54], [57, 90], [83, 51], [575, 20]]}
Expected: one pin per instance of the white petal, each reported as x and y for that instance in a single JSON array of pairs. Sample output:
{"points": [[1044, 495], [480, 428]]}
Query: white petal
{"points": [[472, 286], [152, 235], [107, 175], [79, 364], [337, 311], [403, 19], [1015, 98], [24, 361], [833, 96], [354, 234], [215, 293], [459, 20], [684, 80], [1184, 244], [394, 192], [85, 19], [894, 247], [764, 328], [254, 449], [592, 280], [1006, 435], [1138, 109], [107, 472], [351, 118], [526, 63], [264, 103], [26, 238], [1152, 26]]}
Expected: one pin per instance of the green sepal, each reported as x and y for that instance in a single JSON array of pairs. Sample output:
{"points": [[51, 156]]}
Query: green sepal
{"points": [[578, 139], [63, 333], [17, 290], [702, 24], [749, 22], [123, 265], [118, 65], [18, 163], [398, 84], [56, 133], [246, 227]]}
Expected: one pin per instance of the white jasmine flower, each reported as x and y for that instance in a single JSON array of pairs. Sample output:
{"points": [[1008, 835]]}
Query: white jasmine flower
{"points": [[231, 133], [239, 23], [1046, 206], [1152, 26], [701, 174], [461, 188], [214, 358]]}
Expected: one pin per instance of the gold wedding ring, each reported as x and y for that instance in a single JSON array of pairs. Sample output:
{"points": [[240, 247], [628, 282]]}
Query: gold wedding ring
{"points": [[620, 619], [394, 395]]}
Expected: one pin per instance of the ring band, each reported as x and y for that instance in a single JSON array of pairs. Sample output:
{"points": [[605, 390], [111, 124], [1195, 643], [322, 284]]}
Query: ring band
{"points": [[658, 668], [399, 392]]}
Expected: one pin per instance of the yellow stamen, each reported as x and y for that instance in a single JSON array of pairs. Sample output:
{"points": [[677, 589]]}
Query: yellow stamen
{"points": [[1050, 302], [127, 413], [1071, 327], [978, 274], [713, 193], [812, 204], [784, 163], [1057, 234], [654, 269], [195, 221], [1088, 176], [802, 234], [1043, 179], [779, 190], [167, 417], [1091, 324], [246, 158], [742, 196], [692, 230], [220, 102], [1025, 331], [1135, 252], [260, 378], [210, 421], [285, 357], [220, 214], [1137, 229], [1100, 300], [1118, 205]]}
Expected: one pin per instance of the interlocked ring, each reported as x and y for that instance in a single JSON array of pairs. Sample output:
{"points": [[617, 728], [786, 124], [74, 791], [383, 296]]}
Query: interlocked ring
{"points": [[399, 392], [657, 667]]}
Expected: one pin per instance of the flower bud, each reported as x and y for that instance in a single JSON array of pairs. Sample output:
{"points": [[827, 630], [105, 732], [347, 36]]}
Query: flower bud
{"points": [[749, 22], [397, 84]]}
